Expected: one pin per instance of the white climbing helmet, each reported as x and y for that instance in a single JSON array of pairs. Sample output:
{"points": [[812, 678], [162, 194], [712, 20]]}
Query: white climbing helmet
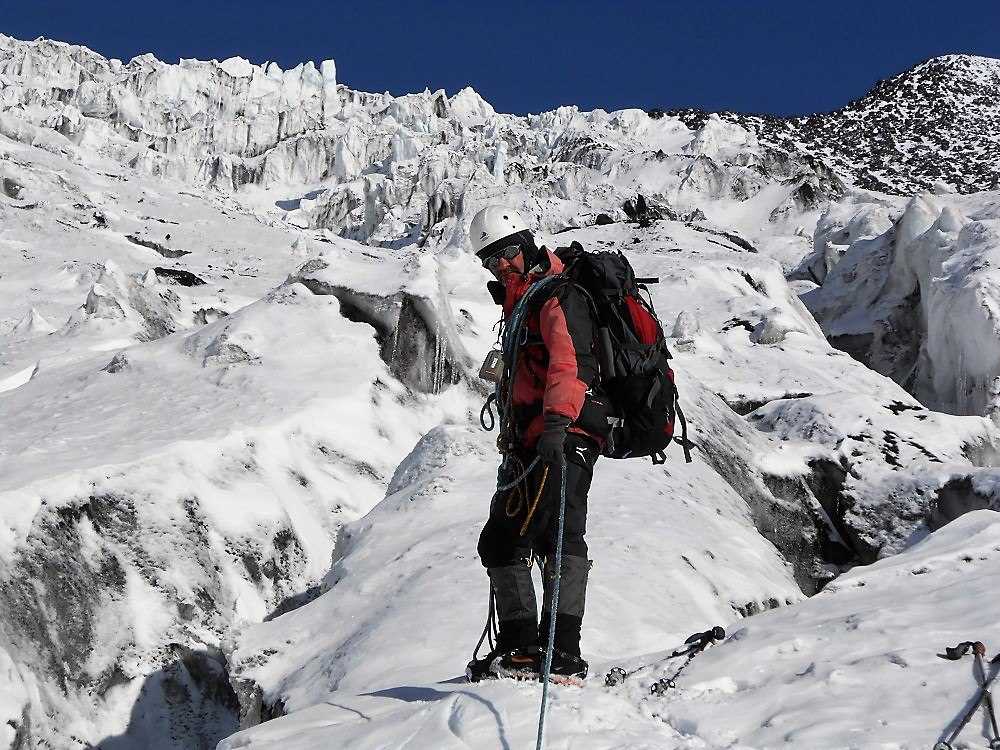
{"points": [[494, 223]]}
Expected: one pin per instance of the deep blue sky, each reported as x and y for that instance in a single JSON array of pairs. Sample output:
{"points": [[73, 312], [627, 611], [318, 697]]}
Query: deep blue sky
{"points": [[752, 55]]}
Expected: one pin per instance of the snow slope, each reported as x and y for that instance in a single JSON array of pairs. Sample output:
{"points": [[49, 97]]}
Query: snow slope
{"points": [[414, 554], [350, 674], [854, 667], [174, 457]]}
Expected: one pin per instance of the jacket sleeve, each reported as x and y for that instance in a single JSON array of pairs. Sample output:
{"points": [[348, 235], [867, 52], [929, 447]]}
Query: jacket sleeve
{"points": [[568, 332]]}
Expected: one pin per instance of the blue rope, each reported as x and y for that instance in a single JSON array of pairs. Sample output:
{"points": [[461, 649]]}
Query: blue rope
{"points": [[514, 330], [553, 610], [524, 475]]}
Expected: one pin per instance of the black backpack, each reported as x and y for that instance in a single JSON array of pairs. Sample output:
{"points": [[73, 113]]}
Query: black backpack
{"points": [[632, 353]]}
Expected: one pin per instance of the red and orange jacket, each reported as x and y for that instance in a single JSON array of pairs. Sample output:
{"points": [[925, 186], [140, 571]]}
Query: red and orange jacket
{"points": [[557, 371]]}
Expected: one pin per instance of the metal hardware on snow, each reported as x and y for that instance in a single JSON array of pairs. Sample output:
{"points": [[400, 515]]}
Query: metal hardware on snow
{"points": [[982, 697], [695, 644], [954, 653], [661, 686]]}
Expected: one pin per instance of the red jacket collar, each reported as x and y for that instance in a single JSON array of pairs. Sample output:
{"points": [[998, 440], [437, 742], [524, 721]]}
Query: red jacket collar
{"points": [[516, 284]]}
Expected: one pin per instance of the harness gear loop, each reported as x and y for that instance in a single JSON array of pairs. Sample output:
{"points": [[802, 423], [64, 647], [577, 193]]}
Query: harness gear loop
{"points": [[487, 409], [515, 501], [534, 505]]}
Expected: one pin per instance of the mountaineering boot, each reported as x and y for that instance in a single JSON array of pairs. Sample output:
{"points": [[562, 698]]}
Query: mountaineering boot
{"points": [[516, 652], [572, 598], [518, 664], [568, 665]]}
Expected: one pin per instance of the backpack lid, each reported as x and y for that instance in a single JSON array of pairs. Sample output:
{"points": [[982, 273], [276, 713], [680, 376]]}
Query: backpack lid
{"points": [[602, 273]]}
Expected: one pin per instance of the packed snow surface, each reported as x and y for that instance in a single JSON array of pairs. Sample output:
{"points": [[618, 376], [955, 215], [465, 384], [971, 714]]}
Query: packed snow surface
{"points": [[855, 667]]}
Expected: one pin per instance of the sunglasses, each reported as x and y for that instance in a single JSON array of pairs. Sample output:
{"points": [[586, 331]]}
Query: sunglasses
{"points": [[508, 253]]}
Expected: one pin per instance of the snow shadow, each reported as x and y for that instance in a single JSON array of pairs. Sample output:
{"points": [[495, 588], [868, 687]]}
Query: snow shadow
{"points": [[294, 601], [291, 204], [424, 694], [188, 704]]}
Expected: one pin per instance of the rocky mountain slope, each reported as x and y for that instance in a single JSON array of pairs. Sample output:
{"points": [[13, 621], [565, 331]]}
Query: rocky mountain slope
{"points": [[939, 121], [239, 336]]}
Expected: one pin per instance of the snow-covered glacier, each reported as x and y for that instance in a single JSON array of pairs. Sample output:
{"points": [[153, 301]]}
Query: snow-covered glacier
{"points": [[240, 477]]}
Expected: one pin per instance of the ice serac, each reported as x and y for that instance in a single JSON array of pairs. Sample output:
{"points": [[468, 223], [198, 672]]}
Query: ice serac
{"points": [[412, 340], [33, 324], [236, 127], [920, 302]]}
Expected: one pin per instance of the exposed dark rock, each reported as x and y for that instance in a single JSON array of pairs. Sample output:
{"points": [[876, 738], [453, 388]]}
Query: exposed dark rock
{"points": [[179, 276], [898, 407], [205, 315], [118, 363], [745, 405], [907, 133], [741, 243], [253, 708], [603, 220], [749, 609], [956, 497], [12, 188], [163, 250], [737, 323], [53, 600], [59, 627], [640, 211]]}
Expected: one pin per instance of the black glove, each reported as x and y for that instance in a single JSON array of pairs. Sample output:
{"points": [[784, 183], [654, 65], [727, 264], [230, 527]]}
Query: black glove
{"points": [[553, 440]]}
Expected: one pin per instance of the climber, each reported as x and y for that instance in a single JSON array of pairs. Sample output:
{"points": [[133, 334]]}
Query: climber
{"points": [[555, 418]]}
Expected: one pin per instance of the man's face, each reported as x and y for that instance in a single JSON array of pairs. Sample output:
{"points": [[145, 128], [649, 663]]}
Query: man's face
{"points": [[508, 261]]}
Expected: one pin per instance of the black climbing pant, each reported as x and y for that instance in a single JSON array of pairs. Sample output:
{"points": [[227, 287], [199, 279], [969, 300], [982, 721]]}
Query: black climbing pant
{"points": [[511, 539]]}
